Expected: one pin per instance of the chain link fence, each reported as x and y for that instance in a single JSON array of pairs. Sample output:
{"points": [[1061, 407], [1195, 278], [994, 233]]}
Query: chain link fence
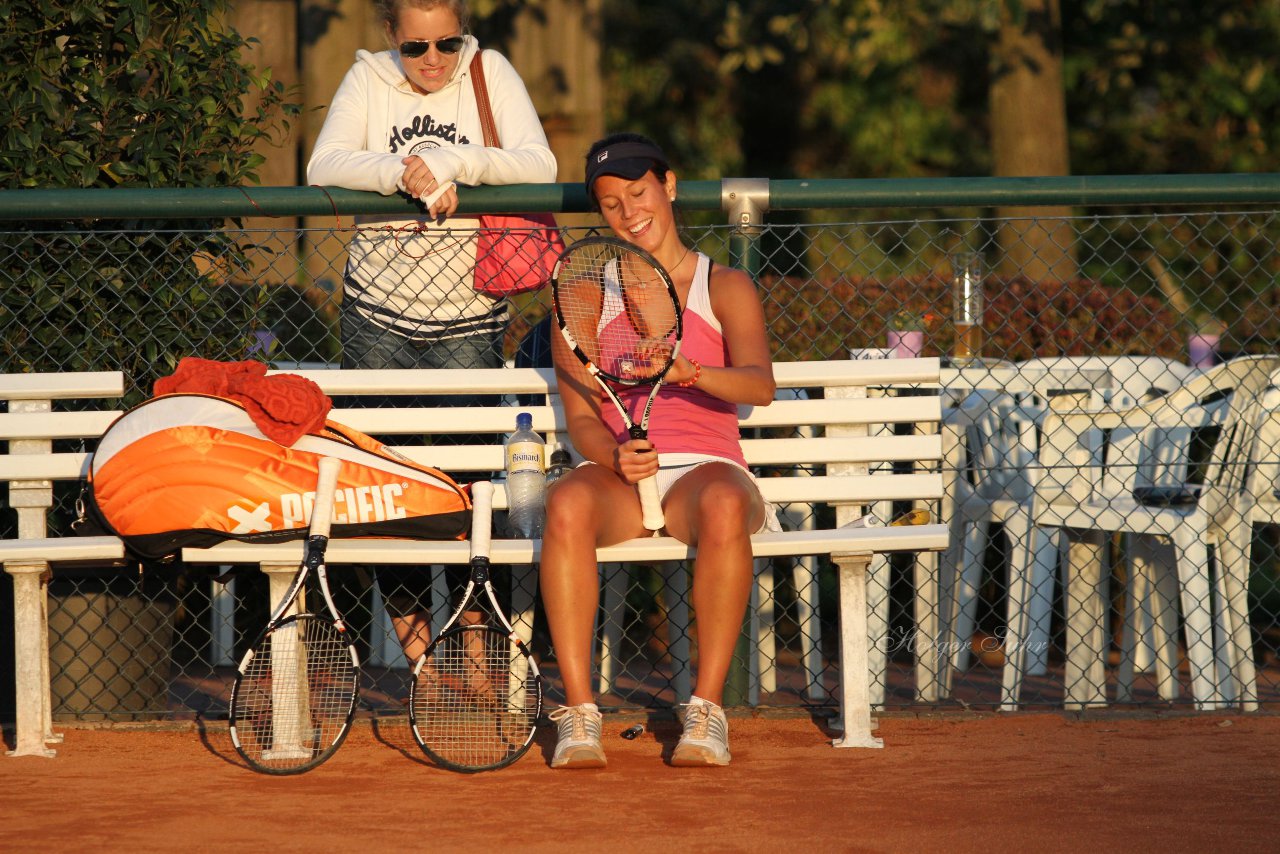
{"points": [[1101, 311]]}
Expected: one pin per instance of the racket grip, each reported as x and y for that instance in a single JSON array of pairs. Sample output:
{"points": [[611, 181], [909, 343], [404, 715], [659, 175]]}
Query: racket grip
{"points": [[651, 504], [326, 485], [481, 518]]}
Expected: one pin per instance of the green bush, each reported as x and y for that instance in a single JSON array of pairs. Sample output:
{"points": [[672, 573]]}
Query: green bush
{"points": [[126, 93]]}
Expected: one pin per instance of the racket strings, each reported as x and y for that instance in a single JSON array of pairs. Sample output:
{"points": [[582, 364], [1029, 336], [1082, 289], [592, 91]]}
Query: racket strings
{"points": [[475, 698], [296, 696], [620, 310]]}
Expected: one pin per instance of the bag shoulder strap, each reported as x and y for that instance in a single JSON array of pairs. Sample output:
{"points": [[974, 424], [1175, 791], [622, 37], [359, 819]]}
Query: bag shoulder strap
{"points": [[487, 124]]}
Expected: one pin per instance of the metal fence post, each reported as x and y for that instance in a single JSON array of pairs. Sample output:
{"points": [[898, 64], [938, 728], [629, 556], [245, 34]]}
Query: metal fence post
{"points": [[747, 201]]}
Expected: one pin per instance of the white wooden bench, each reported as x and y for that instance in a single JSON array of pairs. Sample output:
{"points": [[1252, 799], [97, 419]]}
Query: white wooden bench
{"points": [[29, 468], [842, 461]]}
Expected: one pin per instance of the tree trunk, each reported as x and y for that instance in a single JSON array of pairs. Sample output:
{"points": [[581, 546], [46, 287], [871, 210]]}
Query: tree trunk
{"points": [[556, 49], [273, 23], [1029, 138]]}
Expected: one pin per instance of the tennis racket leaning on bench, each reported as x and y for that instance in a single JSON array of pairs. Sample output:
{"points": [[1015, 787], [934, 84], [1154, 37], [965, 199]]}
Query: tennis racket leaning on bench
{"points": [[620, 315], [477, 693], [297, 688]]}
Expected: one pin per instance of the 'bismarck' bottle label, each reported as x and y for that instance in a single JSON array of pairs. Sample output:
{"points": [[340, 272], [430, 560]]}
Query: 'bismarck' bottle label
{"points": [[524, 456]]}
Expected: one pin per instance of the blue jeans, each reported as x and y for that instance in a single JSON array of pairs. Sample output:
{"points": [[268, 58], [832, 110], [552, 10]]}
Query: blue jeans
{"points": [[365, 344]]}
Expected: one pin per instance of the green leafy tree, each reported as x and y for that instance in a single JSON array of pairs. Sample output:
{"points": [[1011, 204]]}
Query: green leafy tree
{"points": [[1182, 86], [862, 88], [126, 93]]}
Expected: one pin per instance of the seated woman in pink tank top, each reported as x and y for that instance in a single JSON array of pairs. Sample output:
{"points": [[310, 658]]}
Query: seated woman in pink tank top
{"points": [[709, 498]]}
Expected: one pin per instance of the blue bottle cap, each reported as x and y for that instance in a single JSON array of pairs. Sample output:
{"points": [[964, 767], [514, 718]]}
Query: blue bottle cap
{"points": [[524, 421]]}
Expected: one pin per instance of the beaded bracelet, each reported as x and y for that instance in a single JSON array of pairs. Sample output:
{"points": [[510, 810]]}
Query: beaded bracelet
{"points": [[697, 375]]}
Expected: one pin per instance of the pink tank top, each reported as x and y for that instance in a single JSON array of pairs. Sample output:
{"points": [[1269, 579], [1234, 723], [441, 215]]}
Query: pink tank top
{"points": [[688, 420]]}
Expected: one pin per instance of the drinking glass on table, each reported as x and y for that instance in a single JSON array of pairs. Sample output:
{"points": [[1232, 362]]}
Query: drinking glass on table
{"points": [[966, 298]]}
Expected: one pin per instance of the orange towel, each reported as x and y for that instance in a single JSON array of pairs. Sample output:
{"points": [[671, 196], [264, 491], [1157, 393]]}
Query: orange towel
{"points": [[284, 406]]}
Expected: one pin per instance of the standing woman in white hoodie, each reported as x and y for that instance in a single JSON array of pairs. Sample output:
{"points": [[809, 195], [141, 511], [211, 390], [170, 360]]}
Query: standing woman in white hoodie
{"points": [[406, 120]]}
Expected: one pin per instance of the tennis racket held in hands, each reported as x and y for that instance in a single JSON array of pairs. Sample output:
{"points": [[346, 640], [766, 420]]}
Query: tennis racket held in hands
{"points": [[618, 311], [297, 686], [477, 692]]}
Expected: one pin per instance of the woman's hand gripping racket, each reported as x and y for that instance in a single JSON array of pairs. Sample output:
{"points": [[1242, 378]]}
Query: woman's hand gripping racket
{"points": [[296, 691], [619, 313], [477, 693]]}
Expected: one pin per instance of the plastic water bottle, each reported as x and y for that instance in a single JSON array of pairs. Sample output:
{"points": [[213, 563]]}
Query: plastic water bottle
{"points": [[526, 479]]}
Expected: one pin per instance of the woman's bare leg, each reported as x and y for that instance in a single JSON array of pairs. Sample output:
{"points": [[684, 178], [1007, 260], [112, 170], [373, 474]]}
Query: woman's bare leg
{"points": [[587, 508], [716, 507]]}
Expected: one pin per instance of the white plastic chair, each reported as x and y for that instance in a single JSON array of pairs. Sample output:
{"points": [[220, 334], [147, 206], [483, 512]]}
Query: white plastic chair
{"points": [[997, 435], [1133, 379], [997, 486], [1266, 492], [1140, 377], [1103, 474]]}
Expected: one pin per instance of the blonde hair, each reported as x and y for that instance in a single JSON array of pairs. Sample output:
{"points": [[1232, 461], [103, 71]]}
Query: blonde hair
{"points": [[389, 10]]}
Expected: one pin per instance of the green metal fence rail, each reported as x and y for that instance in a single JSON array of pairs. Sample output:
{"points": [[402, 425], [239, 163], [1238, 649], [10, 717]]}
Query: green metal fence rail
{"points": [[43, 205]]}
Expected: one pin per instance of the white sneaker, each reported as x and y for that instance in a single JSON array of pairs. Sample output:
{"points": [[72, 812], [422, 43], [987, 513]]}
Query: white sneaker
{"points": [[706, 736], [578, 737]]}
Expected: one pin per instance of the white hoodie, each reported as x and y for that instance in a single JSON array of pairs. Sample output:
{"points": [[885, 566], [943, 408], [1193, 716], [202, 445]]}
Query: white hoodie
{"points": [[411, 274]]}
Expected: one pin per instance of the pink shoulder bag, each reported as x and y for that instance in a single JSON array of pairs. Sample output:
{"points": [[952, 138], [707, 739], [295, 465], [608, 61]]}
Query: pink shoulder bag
{"points": [[515, 253]]}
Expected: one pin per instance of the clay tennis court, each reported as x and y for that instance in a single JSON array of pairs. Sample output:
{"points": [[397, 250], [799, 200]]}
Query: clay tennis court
{"points": [[956, 782]]}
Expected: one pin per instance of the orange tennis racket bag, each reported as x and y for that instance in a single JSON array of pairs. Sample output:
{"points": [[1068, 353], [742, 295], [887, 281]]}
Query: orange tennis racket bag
{"points": [[191, 470]]}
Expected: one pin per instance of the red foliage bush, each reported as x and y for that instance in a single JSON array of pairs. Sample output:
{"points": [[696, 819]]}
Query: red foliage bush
{"points": [[1022, 319]]}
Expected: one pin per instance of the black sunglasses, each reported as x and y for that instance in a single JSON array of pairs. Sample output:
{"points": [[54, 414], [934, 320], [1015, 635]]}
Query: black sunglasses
{"points": [[415, 49]]}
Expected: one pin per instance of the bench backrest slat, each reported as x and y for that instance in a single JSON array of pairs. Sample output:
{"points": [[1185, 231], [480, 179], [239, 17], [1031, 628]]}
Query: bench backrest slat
{"points": [[759, 452], [500, 419], [43, 466], [61, 386], [55, 425], [854, 372]]}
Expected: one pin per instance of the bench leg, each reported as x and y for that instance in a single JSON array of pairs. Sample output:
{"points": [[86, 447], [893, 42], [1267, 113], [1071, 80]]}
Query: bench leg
{"points": [[763, 670], [878, 575], [384, 646], [524, 591], [222, 611], [441, 600], [805, 578], [288, 665], [615, 582], [676, 591], [46, 678], [31, 661], [855, 659], [928, 629], [279, 577]]}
